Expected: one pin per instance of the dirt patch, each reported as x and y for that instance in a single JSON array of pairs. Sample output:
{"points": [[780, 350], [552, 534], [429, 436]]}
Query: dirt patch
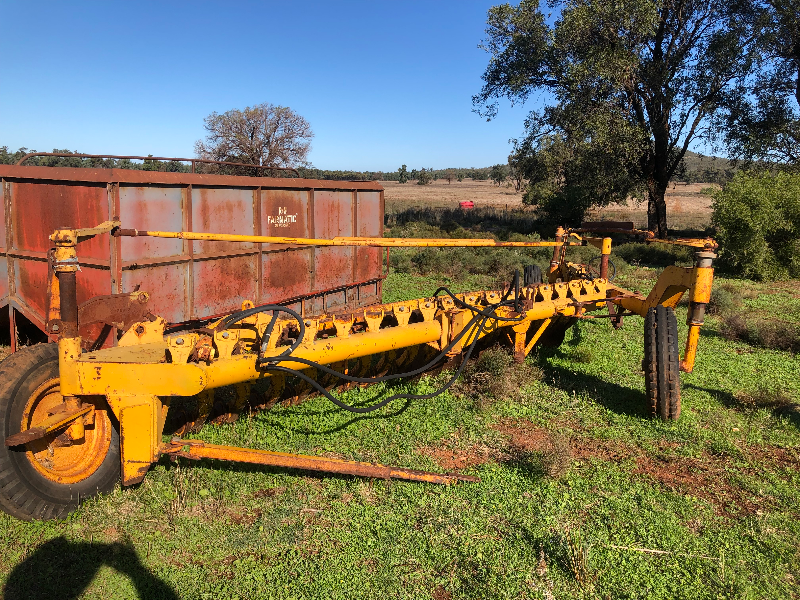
{"points": [[269, 492], [770, 456], [706, 477], [441, 594], [527, 437], [244, 517], [456, 459]]}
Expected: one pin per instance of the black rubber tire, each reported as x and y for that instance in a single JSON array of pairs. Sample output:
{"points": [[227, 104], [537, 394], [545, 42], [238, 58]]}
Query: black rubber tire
{"points": [[24, 492], [662, 363]]}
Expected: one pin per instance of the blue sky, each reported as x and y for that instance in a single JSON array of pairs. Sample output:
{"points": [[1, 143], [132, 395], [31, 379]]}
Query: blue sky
{"points": [[382, 83]]}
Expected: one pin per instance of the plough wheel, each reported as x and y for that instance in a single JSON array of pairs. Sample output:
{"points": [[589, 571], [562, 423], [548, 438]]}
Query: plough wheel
{"points": [[662, 363], [48, 477]]}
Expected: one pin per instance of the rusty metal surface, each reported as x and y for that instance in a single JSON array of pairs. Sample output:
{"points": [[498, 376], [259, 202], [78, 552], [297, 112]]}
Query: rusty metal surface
{"points": [[116, 310], [195, 449], [188, 280], [56, 421], [157, 177]]}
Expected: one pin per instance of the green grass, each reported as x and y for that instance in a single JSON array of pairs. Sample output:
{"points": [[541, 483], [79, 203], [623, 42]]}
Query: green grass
{"points": [[717, 492]]}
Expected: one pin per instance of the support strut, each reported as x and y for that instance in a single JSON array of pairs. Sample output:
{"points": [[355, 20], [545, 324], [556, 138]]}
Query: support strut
{"points": [[196, 450]]}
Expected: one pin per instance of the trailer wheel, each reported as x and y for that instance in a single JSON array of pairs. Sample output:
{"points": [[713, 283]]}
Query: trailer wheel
{"points": [[47, 478], [662, 363]]}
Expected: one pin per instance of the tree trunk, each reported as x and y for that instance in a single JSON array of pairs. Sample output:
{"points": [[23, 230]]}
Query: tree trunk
{"points": [[657, 210]]}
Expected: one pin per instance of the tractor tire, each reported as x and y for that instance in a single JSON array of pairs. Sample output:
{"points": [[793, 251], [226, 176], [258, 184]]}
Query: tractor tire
{"points": [[662, 363], [47, 478]]}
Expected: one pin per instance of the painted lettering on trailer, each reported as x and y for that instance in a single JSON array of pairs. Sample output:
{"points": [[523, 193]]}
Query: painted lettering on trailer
{"points": [[282, 219]]}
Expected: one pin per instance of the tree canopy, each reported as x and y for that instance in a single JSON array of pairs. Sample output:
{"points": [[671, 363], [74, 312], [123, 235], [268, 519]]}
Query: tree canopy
{"points": [[627, 86], [264, 134], [764, 124]]}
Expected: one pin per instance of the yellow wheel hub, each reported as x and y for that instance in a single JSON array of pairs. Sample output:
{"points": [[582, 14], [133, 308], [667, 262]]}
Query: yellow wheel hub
{"points": [[55, 456]]}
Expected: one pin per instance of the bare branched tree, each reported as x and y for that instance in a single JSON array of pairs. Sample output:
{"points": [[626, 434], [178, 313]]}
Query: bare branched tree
{"points": [[264, 134]]}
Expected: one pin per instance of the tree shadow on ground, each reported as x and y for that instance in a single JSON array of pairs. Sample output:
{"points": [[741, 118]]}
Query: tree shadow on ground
{"points": [[776, 400], [63, 569], [613, 396]]}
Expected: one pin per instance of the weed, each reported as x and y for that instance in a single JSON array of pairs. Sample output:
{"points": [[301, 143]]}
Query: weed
{"points": [[765, 333], [495, 376], [734, 327], [556, 455], [776, 399], [582, 355], [575, 557], [723, 299]]}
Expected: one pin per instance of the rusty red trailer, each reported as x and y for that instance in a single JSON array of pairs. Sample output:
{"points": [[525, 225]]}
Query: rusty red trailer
{"points": [[189, 280]]}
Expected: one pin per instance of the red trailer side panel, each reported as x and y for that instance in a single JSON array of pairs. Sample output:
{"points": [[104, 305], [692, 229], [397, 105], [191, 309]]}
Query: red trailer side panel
{"points": [[190, 280]]}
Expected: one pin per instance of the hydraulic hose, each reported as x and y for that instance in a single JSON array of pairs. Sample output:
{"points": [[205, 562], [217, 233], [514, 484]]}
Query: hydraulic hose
{"points": [[269, 363]]}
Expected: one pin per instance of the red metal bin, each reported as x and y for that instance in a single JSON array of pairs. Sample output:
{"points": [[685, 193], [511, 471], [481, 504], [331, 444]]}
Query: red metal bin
{"points": [[190, 280]]}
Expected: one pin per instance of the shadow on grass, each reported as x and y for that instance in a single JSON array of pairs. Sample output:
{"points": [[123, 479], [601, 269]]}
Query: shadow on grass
{"points": [[776, 400], [63, 569], [613, 396], [280, 422]]}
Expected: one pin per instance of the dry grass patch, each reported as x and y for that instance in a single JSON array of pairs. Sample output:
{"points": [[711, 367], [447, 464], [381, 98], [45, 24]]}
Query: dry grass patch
{"points": [[441, 194], [778, 400], [707, 477], [688, 206]]}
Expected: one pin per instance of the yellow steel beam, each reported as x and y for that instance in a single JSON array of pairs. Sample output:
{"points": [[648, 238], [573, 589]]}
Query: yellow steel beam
{"points": [[141, 420], [536, 336], [132, 370], [243, 368], [343, 241], [196, 449]]}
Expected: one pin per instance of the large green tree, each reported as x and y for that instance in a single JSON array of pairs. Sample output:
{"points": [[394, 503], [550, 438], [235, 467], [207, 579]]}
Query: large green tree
{"points": [[764, 124], [631, 83]]}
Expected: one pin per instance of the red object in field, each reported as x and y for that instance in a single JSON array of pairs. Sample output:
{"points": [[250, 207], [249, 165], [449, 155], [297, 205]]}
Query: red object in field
{"points": [[189, 280], [466, 204]]}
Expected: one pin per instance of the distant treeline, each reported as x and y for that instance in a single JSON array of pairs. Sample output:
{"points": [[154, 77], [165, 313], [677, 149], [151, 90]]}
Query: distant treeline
{"points": [[697, 168], [10, 158], [478, 174]]}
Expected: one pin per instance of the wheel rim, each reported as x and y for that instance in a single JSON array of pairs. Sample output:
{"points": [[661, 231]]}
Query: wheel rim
{"points": [[50, 455]]}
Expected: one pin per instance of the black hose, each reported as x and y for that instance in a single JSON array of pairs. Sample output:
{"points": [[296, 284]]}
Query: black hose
{"points": [[268, 363], [249, 312], [385, 401], [288, 358], [371, 380]]}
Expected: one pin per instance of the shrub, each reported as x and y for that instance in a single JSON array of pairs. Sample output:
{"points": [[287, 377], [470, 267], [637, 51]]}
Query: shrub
{"points": [[495, 376], [770, 334], [723, 299], [654, 255], [776, 399], [757, 217]]}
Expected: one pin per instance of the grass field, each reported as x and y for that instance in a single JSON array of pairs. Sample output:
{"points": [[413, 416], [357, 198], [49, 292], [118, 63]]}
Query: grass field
{"points": [[581, 494], [688, 205]]}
